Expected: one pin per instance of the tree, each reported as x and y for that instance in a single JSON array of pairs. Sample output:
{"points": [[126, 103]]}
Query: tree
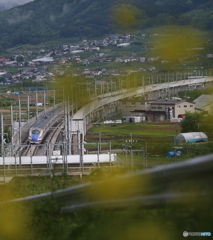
{"points": [[20, 59], [191, 122], [2, 79], [206, 125]]}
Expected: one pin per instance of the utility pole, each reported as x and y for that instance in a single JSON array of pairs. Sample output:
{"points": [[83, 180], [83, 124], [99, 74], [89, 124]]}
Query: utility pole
{"points": [[2, 135], [72, 107], [76, 101], [100, 141], [28, 108], [2, 143], [19, 116], [98, 158], [110, 152], [68, 127], [82, 152], [44, 103], [65, 121], [54, 98], [12, 128], [36, 105], [101, 89], [143, 87]]}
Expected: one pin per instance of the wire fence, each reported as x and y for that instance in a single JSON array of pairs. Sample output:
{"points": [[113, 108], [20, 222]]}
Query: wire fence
{"points": [[166, 184]]}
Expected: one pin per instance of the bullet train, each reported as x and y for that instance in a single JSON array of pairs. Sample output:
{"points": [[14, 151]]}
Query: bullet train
{"points": [[36, 135], [39, 129]]}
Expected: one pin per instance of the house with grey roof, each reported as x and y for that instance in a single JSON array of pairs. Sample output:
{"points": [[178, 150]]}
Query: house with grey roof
{"points": [[204, 103]]}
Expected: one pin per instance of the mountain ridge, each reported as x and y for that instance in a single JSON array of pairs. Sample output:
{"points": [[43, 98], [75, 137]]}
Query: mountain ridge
{"points": [[43, 20]]}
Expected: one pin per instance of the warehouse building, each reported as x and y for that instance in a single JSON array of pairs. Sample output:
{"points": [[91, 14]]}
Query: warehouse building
{"points": [[159, 110]]}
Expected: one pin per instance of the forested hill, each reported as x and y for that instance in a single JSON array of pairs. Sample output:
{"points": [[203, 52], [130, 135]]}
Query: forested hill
{"points": [[43, 20], [7, 5]]}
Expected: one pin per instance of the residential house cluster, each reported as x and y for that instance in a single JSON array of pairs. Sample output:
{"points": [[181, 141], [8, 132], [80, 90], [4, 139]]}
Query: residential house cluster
{"points": [[33, 63]]}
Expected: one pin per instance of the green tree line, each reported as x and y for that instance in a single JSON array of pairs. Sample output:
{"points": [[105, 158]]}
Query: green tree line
{"points": [[197, 122]]}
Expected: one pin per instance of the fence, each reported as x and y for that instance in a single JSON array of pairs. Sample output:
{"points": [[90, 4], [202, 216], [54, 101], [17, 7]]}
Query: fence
{"points": [[166, 184], [56, 157], [55, 160]]}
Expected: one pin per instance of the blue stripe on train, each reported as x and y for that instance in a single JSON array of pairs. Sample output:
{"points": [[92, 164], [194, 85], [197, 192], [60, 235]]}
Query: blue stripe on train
{"points": [[35, 137]]}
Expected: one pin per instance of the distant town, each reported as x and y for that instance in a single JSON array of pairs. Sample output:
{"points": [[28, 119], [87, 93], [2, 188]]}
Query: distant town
{"points": [[89, 58]]}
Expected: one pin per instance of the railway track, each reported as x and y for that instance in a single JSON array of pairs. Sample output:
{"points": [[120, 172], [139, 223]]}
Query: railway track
{"points": [[50, 140], [31, 150], [56, 137]]}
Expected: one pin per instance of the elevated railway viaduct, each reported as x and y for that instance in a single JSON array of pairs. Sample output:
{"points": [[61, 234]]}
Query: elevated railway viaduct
{"points": [[110, 103]]}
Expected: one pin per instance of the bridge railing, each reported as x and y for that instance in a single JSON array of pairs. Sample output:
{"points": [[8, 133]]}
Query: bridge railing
{"points": [[166, 184]]}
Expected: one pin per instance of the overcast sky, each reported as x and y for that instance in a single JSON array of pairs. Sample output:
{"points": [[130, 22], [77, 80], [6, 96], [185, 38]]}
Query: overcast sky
{"points": [[15, 1]]}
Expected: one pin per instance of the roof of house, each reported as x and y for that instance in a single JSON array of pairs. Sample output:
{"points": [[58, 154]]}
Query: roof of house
{"points": [[137, 100], [148, 112], [168, 102], [44, 59], [203, 101]]}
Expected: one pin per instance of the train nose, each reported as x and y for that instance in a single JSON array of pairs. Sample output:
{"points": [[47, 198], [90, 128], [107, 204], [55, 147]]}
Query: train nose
{"points": [[35, 137]]}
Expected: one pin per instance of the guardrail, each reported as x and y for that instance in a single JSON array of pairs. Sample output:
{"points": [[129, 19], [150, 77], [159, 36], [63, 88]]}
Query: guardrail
{"points": [[171, 183]]}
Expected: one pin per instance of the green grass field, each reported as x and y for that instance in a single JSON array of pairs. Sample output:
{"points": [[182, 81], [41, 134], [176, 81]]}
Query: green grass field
{"points": [[164, 129], [132, 141], [159, 137]]}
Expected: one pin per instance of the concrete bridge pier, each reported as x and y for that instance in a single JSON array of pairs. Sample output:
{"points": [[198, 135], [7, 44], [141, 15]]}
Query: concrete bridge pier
{"points": [[148, 96], [153, 95], [97, 114], [111, 108]]}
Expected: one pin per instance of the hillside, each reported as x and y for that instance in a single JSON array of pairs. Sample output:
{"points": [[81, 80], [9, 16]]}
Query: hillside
{"points": [[7, 5], [43, 20]]}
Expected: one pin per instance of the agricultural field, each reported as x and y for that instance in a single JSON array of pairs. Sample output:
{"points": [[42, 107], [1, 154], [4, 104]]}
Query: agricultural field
{"points": [[135, 134], [145, 143], [143, 129]]}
